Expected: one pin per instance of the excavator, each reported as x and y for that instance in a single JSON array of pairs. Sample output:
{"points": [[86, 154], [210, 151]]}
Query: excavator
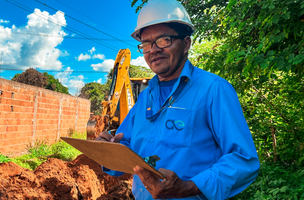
{"points": [[122, 96]]}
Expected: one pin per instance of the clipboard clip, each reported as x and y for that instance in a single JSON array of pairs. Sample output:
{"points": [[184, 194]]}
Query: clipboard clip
{"points": [[151, 160]]}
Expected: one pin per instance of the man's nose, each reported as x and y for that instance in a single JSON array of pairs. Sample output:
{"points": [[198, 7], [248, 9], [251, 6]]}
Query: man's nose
{"points": [[155, 49]]}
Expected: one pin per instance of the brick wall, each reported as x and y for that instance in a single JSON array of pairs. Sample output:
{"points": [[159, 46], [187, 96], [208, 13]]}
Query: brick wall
{"points": [[29, 113]]}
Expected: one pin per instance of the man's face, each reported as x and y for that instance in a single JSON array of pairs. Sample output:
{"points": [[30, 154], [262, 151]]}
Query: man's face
{"points": [[167, 63]]}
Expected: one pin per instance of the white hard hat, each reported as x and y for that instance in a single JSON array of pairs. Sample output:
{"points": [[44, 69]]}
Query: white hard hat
{"points": [[161, 11]]}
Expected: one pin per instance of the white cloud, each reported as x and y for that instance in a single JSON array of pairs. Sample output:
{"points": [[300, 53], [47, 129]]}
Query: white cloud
{"points": [[92, 50], [84, 57], [74, 83], [99, 56], [24, 51], [99, 80], [63, 77], [64, 54], [105, 66], [3, 21], [140, 61]]}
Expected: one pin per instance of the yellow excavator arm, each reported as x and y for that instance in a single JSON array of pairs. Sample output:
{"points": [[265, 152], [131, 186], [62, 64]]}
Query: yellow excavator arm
{"points": [[120, 96]]}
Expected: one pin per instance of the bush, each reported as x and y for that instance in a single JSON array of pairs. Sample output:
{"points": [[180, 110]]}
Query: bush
{"points": [[275, 181]]}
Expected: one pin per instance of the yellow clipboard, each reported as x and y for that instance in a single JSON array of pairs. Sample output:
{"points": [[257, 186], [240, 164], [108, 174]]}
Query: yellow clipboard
{"points": [[113, 156]]}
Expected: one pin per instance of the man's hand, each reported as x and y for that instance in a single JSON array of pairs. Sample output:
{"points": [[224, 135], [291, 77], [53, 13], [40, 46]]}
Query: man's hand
{"points": [[171, 187], [107, 137]]}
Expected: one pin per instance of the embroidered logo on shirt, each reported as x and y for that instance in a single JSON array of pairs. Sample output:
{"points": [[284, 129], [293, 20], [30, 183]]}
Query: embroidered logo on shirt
{"points": [[178, 125]]}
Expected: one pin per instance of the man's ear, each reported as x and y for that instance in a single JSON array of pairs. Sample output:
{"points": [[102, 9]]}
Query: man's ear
{"points": [[187, 42]]}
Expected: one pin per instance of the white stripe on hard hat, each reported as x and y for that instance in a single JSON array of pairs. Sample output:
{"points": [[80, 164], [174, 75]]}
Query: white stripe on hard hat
{"points": [[161, 11]]}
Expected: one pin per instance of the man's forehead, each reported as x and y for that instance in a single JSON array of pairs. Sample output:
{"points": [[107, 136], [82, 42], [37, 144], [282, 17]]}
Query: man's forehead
{"points": [[152, 32]]}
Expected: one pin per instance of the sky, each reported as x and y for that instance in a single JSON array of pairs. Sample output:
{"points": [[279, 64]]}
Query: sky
{"points": [[76, 41]]}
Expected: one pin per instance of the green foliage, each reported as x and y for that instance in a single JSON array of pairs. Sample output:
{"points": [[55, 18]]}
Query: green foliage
{"points": [[38, 148], [40, 151], [51, 82], [4, 159], [15, 77], [55, 85], [96, 93], [258, 46], [275, 181], [64, 151], [136, 71]]}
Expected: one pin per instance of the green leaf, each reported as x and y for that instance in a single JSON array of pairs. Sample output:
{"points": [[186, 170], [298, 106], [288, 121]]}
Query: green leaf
{"points": [[258, 59], [284, 188], [271, 6], [264, 64], [275, 19], [270, 53], [280, 64], [291, 56], [286, 15], [249, 30]]}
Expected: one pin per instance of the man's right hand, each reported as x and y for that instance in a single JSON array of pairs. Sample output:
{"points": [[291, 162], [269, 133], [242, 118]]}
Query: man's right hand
{"points": [[107, 137]]}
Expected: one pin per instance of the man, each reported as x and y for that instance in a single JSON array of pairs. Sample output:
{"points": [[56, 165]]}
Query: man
{"points": [[190, 118]]}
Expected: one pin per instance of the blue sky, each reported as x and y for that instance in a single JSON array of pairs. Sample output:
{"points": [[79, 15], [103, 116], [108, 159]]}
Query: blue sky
{"points": [[30, 39]]}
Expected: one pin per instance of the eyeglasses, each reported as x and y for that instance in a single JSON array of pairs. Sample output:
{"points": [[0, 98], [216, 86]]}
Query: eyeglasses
{"points": [[162, 42]]}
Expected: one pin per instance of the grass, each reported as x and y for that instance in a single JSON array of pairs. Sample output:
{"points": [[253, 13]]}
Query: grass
{"points": [[40, 151]]}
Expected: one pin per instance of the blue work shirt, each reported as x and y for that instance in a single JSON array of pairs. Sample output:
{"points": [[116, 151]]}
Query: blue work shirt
{"points": [[202, 137]]}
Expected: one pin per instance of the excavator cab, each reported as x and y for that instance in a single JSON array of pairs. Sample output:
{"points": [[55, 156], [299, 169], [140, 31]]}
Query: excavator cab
{"points": [[138, 85]]}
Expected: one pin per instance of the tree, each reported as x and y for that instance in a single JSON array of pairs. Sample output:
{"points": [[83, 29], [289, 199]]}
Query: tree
{"points": [[55, 85], [137, 71], [96, 93], [44, 80], [31, 77], [258, 46]]}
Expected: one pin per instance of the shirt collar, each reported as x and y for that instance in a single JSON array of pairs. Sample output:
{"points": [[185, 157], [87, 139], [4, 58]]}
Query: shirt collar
{"points": [[186, 72]]}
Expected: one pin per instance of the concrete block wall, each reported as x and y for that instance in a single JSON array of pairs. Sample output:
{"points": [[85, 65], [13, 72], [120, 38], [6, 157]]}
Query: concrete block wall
{"points": [[29, 113]]}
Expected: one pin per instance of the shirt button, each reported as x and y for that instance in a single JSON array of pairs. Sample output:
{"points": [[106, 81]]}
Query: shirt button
{"points": [[141, 189], [151, 140]]}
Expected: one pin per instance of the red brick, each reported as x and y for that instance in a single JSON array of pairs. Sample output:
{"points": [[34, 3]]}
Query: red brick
{"points": [[2, 129], [9, 88], [5, 108], [21, 91], [12, 122], [16, 89], [11, 129], [2, 115], [15, 102]]}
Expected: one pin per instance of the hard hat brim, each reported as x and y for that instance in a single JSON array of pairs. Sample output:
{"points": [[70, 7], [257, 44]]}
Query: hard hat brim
{"points": [[136, 33]]}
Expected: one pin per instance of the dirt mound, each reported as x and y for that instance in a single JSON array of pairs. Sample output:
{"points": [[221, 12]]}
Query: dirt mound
{"points": [[57, 179]]}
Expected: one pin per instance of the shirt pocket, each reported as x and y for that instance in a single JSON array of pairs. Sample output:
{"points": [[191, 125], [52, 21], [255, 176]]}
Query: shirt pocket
{"points": [[176, 127]]}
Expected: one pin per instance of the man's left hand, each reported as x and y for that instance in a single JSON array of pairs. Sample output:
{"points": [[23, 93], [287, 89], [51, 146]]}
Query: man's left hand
{"points": [[171, 187]]}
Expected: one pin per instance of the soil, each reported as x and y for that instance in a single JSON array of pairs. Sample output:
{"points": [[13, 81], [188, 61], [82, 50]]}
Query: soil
{"points": [[55, 179]]}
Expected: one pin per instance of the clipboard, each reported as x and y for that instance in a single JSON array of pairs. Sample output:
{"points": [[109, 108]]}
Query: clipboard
{"points": [[111, 155]]}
